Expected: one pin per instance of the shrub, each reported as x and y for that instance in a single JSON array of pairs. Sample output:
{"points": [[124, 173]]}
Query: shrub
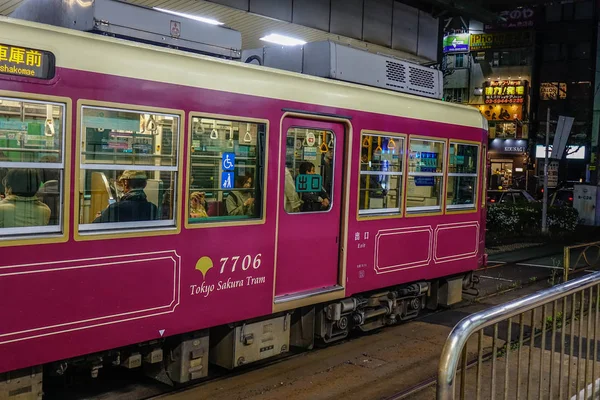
{"points": [[526, 220]]}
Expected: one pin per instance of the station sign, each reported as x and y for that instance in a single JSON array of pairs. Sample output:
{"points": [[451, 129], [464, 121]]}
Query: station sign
{"points": [[456, 43], [26, 62], [504, 92], [500, 40]]}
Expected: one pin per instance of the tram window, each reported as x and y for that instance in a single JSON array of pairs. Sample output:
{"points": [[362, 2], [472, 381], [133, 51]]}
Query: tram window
{"points": [[380, 174], [462, 176], [309, 170], [129, 163], [31, 166], [425, 175], [226, 170]]}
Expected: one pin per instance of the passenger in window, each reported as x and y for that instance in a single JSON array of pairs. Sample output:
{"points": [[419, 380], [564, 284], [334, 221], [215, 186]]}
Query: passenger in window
{"points": [[313, 201], [133, 205], [241, 202], [292, 200], [198, 205], [21, 207]]}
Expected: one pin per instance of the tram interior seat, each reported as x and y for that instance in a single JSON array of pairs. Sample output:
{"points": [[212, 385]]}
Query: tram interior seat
{"points": [[49, 194], [216, 208]]}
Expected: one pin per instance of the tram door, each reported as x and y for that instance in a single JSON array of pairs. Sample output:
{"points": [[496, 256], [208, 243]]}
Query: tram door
{"points": [[310, 208]]}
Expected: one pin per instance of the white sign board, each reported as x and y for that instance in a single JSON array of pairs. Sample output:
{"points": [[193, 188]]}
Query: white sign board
{"points": [[584, 201], [553, 174], [573, 152], [563, 129]]}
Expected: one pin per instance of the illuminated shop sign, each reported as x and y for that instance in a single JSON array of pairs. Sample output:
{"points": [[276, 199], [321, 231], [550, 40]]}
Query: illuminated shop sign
{"points": [[501, 40], [504, 92], [519, 18], [26, 62], [457, 43], [509, 146], [553, 91], [497, 112]]}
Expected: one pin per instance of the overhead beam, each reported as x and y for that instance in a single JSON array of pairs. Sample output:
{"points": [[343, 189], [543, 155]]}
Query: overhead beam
{"points": [[466, 8]]}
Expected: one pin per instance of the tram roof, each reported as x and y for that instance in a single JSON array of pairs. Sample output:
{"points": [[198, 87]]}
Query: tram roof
{"points": [[72, 50]]}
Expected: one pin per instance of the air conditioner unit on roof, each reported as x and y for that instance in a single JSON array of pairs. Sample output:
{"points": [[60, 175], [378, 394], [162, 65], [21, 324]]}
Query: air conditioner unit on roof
{"points": [[135, 23], [332, 60]]}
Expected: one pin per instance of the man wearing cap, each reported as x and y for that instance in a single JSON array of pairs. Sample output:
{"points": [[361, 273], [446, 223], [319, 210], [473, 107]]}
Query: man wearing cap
{"points": [[133, 205]]}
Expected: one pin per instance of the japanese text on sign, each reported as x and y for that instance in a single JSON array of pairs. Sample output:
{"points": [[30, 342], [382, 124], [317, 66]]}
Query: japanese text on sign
{"points": [[504, 92], [308, 183], [26, 62]]}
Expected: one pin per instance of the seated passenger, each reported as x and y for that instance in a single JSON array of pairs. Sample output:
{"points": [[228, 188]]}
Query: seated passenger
{"points": [[313, 201], [292, 200], [20, 207], [241, 202], [198, 205], [133, 205]]}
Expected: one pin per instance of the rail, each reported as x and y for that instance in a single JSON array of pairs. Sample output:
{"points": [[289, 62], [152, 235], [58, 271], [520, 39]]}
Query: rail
{"points": [[553, 371], [588, 257]]}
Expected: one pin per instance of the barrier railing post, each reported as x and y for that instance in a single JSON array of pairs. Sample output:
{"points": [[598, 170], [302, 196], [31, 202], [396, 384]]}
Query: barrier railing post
{"points": [[455, 345]]}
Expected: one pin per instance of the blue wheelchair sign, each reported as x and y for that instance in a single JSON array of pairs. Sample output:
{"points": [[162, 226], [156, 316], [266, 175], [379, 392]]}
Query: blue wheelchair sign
{"points": [[228, 161]]}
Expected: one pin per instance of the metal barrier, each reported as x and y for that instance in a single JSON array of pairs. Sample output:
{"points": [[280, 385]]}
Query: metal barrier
{"points": [[553, 352], [588, 257]]}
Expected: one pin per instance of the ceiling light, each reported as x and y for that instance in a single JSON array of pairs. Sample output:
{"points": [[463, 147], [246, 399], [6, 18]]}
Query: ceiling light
{"points": [[194, 17], [282, 40]]}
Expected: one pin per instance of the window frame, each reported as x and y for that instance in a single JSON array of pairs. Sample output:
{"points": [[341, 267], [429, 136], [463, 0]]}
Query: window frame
{"points": [[427, 210], [463, 208], [402, 199], [333, 183], [45, 234], [185, 197], [484, 176], [124, 229]]}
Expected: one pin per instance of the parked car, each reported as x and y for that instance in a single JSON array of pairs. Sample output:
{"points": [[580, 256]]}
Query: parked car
{"points": [[511, 196], [561, 198]]}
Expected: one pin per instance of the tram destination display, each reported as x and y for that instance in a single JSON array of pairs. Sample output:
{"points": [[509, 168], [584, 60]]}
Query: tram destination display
{"points": [[26, 62]]}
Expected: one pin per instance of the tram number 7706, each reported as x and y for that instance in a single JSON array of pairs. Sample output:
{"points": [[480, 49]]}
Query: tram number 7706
{"points": [[247, 262]]}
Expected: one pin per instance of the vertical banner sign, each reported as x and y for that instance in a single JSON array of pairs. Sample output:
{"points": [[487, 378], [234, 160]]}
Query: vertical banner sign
{"points": [[553, 174]]}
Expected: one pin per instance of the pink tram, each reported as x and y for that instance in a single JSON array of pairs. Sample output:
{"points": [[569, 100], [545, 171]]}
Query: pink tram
{"points": [[241, 258]]}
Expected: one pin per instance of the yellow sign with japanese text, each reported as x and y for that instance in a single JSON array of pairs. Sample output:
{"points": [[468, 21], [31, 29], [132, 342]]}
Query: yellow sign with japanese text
{"points": [[26, 62]]}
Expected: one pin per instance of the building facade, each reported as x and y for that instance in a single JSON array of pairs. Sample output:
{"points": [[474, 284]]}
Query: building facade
{"points": [[541, 57]]}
